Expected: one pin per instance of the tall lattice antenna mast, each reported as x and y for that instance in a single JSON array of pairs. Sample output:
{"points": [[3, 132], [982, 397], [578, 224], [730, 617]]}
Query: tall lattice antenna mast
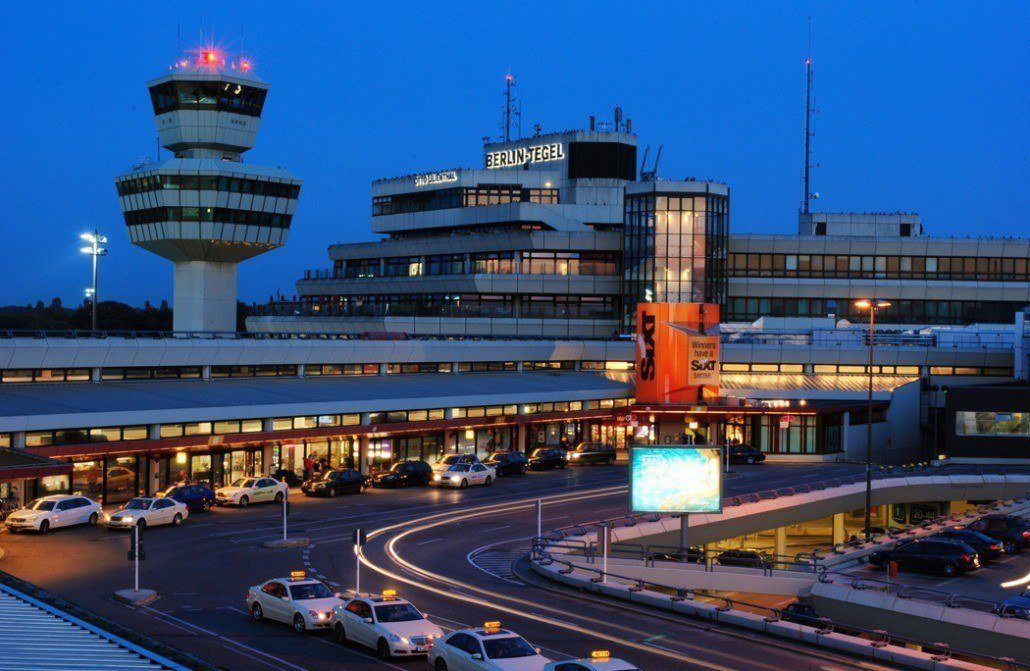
{"points": [[512, 109], [807, 199]]}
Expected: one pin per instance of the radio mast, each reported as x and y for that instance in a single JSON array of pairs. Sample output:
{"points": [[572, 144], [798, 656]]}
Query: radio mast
{"points": [[808, 124], [512, 109]]}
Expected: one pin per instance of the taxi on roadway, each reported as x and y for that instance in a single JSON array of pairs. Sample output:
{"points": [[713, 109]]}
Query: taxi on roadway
{"points": [[599, 660], [298, 600], [386, 623], [488, 648]]}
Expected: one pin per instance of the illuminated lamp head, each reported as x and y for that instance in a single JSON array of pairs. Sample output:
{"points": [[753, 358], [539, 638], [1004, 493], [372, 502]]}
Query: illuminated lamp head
{"points": [[245, 64], [210, 57]]}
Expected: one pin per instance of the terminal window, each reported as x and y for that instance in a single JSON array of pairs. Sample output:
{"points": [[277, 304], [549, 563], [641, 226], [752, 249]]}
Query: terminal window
{"points": [[970, 423]]}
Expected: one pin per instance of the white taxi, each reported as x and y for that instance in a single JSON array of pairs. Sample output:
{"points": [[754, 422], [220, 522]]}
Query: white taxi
{"points": [[487, 649], [297, 600], [50, 512], [600, 660], [246, 491], [463, 475], [147, 512], [390, 625]]}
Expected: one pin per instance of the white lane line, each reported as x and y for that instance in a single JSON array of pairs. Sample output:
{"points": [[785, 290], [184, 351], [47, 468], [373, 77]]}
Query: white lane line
{"points": [[431, 540]]}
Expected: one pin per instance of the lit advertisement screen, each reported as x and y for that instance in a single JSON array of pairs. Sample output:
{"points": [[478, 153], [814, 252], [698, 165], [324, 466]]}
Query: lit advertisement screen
{"points": [[675, 479]]}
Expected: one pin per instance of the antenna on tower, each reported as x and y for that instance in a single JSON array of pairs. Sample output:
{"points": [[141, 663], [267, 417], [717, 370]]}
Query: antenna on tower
{"points": [[807, 168], [512, 109]]}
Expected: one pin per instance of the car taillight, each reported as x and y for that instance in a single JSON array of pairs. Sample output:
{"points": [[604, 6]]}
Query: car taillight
{"points": [[966, 557], [1026, 533]]}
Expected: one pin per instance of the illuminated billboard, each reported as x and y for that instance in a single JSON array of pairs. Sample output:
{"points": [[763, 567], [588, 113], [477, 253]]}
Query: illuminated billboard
{"points": [[675, 479]]}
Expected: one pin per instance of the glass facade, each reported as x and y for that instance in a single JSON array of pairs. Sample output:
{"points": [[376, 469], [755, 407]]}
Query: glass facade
{"points": [[476, 196], [675, 249], [1010, 424]]}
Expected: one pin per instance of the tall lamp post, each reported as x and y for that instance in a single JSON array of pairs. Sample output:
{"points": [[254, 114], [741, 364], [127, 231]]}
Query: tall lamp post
{"points": [[95, 250], [872, 305]]}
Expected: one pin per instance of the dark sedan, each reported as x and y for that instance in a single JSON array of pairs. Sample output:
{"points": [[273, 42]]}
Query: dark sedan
{"points": [[195, 497], [745, 454], [1012, 531], [404, 474], [744, 557], [985, 546], [592, 453], [334, 482], [507, 463], [547, 458], [947, 557]]}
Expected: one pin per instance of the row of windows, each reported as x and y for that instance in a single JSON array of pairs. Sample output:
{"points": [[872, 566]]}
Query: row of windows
{"points": [[234, 426], [1010, 424], [222, 215], [900, 311], [464, 305], [846, 369], [221, 96], [896, 267], [45, 375], [443, 199], [255, 187], [495, 263], [668, 203]]}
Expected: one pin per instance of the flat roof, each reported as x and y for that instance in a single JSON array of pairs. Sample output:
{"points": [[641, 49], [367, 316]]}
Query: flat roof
{"points": [[81, 405]]}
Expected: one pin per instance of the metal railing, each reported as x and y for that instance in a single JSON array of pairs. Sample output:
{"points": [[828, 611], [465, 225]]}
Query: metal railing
{"points": [[37, 334]]}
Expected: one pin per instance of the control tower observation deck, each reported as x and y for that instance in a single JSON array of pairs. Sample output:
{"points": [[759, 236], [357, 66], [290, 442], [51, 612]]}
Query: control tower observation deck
{"points": [[204, 209]]}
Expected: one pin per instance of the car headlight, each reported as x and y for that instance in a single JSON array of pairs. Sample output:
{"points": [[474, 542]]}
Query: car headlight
{"points": [[396, 639], [107, 518], [127, 518], [437, 478], [320, 485], [315, 615], [455, 479], [573, 456]]}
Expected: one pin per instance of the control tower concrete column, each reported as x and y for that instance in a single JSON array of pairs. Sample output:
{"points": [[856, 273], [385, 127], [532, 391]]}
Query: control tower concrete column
{"points": [[204, 296]]}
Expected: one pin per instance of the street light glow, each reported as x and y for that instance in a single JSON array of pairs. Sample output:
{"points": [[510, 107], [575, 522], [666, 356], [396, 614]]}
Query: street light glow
{"points": [[866, 303]]}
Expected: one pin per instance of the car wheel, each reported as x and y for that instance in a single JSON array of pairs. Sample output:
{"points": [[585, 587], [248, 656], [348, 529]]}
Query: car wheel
{"points": [[332, 493], [256, 612], [244, 501], [522, 471], [750, 460], [464, 484], [488, 480], [340, 632], [44, 526], [94, 519], [383, 649], [1010, 547], [298, 624], [440, 664], [362, 489], [177, 520], [279, 498], [950, 570], [142, 524], [205, 505]]}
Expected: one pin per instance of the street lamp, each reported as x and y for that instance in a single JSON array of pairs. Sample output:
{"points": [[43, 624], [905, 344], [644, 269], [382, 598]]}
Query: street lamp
{"points": [[872, 305], [96, 251]]}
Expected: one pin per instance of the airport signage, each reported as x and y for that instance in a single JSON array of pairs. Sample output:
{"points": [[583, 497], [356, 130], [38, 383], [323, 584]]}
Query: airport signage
{"points": [[703, 365], [514, 158], [431, 178], [675, 479]]}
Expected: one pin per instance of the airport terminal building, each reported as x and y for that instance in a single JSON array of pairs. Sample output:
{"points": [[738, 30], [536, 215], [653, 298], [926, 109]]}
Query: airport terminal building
{"points": [[498, 311]]}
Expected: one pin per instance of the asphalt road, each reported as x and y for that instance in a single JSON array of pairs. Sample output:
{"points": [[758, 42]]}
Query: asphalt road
{"points": [[450, 552]]}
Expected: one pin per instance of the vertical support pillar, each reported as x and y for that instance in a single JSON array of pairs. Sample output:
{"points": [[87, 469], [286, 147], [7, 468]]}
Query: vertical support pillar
{"points": [[523, 438], [363, 465], [838, 528], [781, 544], [95, 374], [684, 523], [885, 515]]}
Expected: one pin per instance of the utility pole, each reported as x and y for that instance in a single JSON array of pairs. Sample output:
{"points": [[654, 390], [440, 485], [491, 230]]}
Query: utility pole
{"points": [[95, 250]]}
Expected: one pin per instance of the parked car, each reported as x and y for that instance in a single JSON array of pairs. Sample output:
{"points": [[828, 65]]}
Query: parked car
{"points": [[985, 546], [745, 454], [245, 491], [195, 497], [145, 511], [463, 475], [744, 557], [694, 555], [51, 512], [800, 612], [404, 474], [448, 460], [335, 481], [929, 556], [1012, 531], [547, 458], [1016, 606], [507, 463], [592, 453]]}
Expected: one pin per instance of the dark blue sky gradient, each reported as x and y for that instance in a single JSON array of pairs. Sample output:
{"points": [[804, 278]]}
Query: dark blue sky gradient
{"points": [[923, 108]]}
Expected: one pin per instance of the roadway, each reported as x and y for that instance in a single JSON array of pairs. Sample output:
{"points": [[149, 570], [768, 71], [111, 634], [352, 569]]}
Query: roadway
{"points": [[450, 552]]}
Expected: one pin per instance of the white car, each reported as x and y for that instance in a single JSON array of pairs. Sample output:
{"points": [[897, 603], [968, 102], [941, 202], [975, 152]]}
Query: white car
{"points": [[463, 475], [50, 512], [599, 660], [488, 649], [390, 625], [147, 512], [245, 491], [448, 460], [304, 603]]}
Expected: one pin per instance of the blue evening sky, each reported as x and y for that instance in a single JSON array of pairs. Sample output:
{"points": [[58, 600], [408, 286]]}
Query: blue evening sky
{"points": [[923, 107]]}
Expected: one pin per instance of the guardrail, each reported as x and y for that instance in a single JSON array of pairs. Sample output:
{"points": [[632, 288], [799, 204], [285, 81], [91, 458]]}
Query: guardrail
{"points": [[258, 335]]}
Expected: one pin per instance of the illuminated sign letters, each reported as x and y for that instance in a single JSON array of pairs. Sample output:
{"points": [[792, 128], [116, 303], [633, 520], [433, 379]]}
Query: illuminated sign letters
{"points": [[704, 360], [647, 329], [436, 178], [513, 158]]}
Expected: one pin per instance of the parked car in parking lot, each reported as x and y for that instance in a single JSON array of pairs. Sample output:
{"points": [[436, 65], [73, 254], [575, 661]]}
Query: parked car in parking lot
{"points": [[195, 497], [404, 474], [464, 475], [985, 546], [448, 460], [693, 554], [51, 512], [547, 458], [1016, 606], [245, 491], [507, 463], [744, 557], [147, 512], [947, 557], [591, 453], [334, 482], [800, 612], [1012, 531], [745, 454]]}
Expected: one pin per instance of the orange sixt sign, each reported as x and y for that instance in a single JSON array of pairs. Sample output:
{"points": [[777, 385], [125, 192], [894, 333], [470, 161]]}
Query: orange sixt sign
{"points": [[677, 364]]}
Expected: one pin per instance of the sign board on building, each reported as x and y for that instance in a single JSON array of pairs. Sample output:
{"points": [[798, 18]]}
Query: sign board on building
{"points": [[703, 363], [430, 178], [514, 158], [670, 368], [675, 479]]}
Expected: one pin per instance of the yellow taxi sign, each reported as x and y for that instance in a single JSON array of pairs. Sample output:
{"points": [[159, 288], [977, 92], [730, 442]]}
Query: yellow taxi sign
{"points": [[389, 593], [600, 654], [298, 575], [492, 625]]}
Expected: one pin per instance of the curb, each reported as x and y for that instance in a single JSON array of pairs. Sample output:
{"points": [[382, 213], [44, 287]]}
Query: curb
{"points": [[290, 543]]}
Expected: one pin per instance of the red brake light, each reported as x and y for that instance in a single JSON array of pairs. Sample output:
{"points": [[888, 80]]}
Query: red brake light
{"points": [[1026, 534], [966, 557]]}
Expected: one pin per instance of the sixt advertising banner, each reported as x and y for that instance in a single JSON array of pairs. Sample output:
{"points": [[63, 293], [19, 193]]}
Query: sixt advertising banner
{"points": [[676, 363], [675, 479]]}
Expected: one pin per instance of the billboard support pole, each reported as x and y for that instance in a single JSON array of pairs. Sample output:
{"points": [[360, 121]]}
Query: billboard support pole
{"points": [[539, 517], [683, 536], [605, 536]]}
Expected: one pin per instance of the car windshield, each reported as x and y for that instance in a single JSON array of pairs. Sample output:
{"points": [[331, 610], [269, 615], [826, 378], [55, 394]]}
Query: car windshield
{"points": [[138, 504], [460, 468], [313, 590], [540, 453], [397, 612], [398, 467], [41, 504], [329, 475], [496, 456], [169, 492], [507, 647], [453, 459], [243, 482]]}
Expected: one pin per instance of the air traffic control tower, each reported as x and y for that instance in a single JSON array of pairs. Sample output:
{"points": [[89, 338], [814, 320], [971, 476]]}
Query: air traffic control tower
{"points": [[205, 209]]}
